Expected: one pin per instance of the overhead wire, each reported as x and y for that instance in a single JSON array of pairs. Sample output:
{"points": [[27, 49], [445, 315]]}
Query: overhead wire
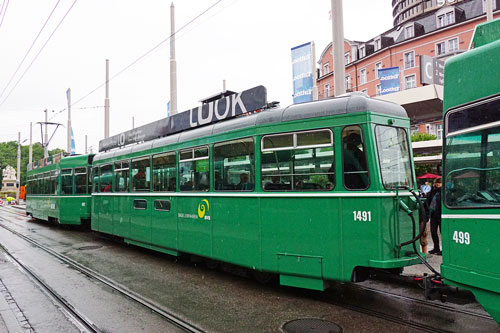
{"points": [[4, 11], [142, 56], [39, 52], [29, 49]]}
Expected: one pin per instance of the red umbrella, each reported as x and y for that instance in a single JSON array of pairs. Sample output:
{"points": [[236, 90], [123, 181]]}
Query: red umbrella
{"points": [[428, 176]]}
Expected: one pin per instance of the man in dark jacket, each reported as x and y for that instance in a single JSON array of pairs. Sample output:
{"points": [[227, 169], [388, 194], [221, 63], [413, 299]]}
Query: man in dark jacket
{"points": [[435, 211]]}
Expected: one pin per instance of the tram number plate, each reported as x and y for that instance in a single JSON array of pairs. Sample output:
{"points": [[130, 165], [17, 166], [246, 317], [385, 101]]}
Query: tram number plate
{"points": [[362, 215], [461, 237]]}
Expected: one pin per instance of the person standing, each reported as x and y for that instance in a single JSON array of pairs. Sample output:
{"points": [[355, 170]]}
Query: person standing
{"points": [[425, 189], [435, 212]]}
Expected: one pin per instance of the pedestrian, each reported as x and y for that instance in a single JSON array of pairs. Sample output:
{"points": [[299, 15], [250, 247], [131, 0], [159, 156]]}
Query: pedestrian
{"points": [[425, 189], [435, 211]]}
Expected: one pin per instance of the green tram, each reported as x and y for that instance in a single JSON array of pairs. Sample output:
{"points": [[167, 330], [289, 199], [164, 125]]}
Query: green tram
{"points": [[471, 182], [312, 192], [59, 189]]}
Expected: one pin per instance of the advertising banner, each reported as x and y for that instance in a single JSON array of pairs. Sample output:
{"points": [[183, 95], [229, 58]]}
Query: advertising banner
{"points": [[302, 70], [389, 80], [224, 108]]}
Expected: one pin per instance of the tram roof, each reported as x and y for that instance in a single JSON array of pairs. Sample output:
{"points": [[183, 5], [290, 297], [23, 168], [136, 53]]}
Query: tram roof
{"points": [[349, 103]]}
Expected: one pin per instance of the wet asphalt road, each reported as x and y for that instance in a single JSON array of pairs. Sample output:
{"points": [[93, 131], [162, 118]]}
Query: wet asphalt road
{"points": [[213, 300]]}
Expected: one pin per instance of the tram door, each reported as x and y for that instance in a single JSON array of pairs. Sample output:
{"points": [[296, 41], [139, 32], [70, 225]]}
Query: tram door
{"points": [[140, 215], [194, 208], [164, 205]]}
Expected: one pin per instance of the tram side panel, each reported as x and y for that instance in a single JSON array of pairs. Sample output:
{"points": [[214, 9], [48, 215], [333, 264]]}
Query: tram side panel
{"points": [[236, 229]]}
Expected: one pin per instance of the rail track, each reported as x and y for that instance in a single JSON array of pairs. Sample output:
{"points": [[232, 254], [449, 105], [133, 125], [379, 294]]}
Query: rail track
{"points": [[339, 301], [150, 305]]}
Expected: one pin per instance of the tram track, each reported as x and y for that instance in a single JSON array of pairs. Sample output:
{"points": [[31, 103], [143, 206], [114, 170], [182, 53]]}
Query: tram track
{"points": [[378, 313], [149, 304], [83, 323]]}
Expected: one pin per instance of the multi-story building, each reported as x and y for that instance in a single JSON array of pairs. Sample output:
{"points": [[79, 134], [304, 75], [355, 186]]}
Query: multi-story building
{"points": [[438, 30]]}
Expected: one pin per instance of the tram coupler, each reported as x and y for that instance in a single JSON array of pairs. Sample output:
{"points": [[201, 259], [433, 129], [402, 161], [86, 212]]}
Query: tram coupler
{"points": [[433, 287]]}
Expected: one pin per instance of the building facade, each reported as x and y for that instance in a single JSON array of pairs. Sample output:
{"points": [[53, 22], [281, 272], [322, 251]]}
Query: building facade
{"points": [[440, 33]]}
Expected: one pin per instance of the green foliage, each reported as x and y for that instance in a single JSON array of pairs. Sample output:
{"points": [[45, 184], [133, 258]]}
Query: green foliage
{"points": [[415, 137], [8, 156], [421, 169]]}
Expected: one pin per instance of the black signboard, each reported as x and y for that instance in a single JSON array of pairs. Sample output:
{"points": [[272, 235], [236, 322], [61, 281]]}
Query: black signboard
{"points": [[209, 113]]}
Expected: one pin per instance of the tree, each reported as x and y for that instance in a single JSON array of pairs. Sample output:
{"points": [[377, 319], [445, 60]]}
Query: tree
{"points": [[8, 156], [415, 137]]}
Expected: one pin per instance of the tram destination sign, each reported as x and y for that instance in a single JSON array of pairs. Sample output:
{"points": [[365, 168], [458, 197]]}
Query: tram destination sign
{"points": [[208, 113]]}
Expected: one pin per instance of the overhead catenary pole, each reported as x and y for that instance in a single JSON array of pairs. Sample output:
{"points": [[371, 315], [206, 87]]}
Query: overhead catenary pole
{"points": [[338, 47], [173, 63], [18, 180], [30, 157], [106, 103], [133, 122], [46, 139], [68, 95], [314, 73], [489, 10], [86, 151]]}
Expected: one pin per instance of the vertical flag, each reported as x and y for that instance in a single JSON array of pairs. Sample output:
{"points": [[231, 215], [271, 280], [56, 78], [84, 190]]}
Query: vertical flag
{"points": [[73, 149], [303, 76]]}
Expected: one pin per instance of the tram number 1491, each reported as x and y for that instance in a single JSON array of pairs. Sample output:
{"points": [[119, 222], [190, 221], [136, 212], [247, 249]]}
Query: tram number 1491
{"points": [[362, 215]]}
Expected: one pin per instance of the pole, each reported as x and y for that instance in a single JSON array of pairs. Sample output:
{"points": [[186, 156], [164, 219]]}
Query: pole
{"points": [[46, 143], [223, 86], [314, 72], [106, 103], [86, 151], [18, 181], [489, 10], [68, 95], [338, 47], [173, 63], [133, 122], [30, 157]]}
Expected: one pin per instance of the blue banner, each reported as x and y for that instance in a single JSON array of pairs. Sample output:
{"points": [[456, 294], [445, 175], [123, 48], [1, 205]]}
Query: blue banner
{"points": [[389, 80], [302, 68]]}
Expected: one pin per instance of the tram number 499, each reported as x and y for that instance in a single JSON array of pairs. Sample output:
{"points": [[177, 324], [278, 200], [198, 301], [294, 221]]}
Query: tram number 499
{"points": [[362, 215], [461, 237]]}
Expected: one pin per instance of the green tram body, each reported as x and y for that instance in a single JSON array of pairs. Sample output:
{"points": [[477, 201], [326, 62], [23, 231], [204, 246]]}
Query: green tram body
{"points": [[61, 191], [306, 232], [471, 182]]}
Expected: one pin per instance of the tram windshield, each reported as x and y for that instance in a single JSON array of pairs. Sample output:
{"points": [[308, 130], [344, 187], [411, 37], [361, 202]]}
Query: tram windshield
{"points": [[394, 156], [472, 156]]}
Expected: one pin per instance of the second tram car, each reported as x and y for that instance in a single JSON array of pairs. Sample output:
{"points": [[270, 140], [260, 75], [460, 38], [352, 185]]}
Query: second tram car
{"points": [[59, 189], [471, 205], [312, 192]]}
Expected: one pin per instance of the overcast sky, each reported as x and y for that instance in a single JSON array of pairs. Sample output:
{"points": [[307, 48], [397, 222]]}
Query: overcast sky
{"points": [[245, 42]]}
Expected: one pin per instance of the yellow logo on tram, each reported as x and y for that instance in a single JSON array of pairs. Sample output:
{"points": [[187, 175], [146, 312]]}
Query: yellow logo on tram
{"points": [[203, 208]]}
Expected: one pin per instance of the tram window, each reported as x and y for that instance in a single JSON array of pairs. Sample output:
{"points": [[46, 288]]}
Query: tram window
{"points": [[234, 165], [472, 168], [140, 204], [394, 156], [53, 182], [164, 171], [141, 175], [66, 181], [80, 180], [89, 173], [194, 169], [95, 179], [355, 165], [163, 205], [121, 176], [106, 178], [308, 165]]}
